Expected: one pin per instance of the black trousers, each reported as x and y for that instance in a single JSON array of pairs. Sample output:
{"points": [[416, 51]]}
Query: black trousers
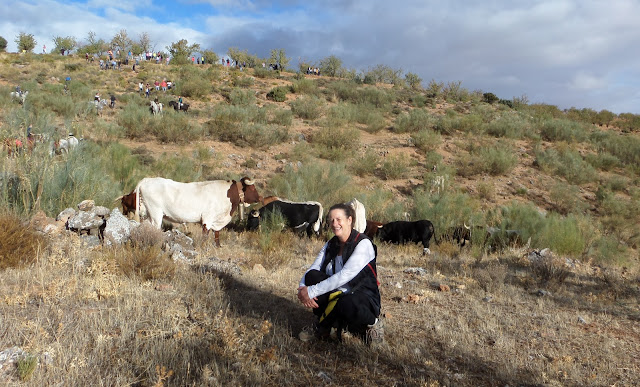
{"points": [[352, 311]]}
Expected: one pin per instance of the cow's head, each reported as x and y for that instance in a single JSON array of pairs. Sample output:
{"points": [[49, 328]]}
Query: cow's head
{"points": [[251, 194], [128, 202], [253, 220]]}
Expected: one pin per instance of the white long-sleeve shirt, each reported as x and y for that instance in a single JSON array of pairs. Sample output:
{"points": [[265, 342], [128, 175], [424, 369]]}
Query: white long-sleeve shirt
{"points": [[361, 256]]}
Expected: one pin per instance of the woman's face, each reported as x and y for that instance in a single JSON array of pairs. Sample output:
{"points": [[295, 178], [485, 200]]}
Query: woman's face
{"points": [[340, 224]]}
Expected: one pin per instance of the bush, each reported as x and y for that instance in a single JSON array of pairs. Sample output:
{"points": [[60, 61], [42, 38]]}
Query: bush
{"points": [[19, 244], [365, 165], [509, 126], [563, 130], [305, 86], [175, 127], [144, 263], [246, 133], [395, 167], [309, 108], [415, 120], [426, 140], [239, 97], [146, 236], [566, 163], [566, 198], [327, 185], [625, 147], [604, 161], [490, 98], [445, 209], [194, 88], [278, 94], [243, 82], [496, 160], [282, 117], [334, 143]]}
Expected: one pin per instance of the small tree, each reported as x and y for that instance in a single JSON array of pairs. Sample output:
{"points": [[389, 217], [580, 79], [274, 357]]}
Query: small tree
{"points": [[93, 45], [26, 42], [121, 41], [279, 57], [180, 50], [413, 80], [3, 44], [64, 43], [331, 66], [144, 42], [210, 56]]}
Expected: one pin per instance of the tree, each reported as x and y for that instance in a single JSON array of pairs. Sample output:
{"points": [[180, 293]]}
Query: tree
{"points": [[331, 66], [413, 80], [26, 42], [93, 45], [3, 44], [121, 41], [181, 50], [144, 42], [66, 43], [279, 57], [210, 56]]}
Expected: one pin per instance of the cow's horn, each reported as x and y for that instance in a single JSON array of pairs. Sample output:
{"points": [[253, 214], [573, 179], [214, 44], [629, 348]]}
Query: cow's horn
{"points": [[118, 198], [467, 227], [248, 181]]}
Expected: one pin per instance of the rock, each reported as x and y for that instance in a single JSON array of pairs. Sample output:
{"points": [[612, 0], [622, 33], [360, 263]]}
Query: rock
{"points": [[323, 375], [179, 246], [542, 293], [90, 241], [65, 214], [546, 252], [415, 270], [413, 298], [86, 205], [259, 269], [487, 299], [163, 287], [117, 230], [101, 211], [444, 288], [84, 221], [10, 355], [398, 285], [581, 320], [301, 137]]}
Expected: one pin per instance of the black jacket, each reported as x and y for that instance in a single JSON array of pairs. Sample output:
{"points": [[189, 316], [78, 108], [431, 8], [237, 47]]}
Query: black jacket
{"points": [[366, 281]]}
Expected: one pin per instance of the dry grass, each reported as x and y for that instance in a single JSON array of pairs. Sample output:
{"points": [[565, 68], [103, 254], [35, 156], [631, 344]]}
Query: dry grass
{"points": [[19, 244], [213, 324]]}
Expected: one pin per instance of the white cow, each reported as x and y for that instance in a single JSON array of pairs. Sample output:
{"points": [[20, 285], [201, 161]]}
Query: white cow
{"points": [[63, 145], [210, 203], [360, 223]]}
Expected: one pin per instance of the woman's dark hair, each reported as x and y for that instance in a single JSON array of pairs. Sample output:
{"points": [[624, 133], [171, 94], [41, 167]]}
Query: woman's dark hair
{"points": [[348, 210]]}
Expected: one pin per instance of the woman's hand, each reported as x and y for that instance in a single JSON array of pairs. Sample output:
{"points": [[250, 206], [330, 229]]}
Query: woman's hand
{"points": [[303, 296]]}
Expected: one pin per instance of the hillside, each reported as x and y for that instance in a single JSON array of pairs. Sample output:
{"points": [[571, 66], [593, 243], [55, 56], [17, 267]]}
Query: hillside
{"points": [[479, 315]]}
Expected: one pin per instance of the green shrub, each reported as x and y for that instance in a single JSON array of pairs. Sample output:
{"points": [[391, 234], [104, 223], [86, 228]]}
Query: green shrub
{"points": [[334, 143], [194, 88], [135, 121], [495, 160], [509, 126], [490, 98], [445, 209], [395, 167], [26, 367], [415, 120], [365, 164], [178, 167], [604, 161], [174, 127], [625, 147], [243, 82], [239, 97], [307, 107], [278, 94], [566, 163], [563, 130], [566, 198], [260, 72], [19, 245], [282, 117], [304, 86], [426, 140], [325, 184]]}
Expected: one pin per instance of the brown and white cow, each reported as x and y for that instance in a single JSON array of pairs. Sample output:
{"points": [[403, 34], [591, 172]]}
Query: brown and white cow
{"points": [[372, 228], [210, 203]]}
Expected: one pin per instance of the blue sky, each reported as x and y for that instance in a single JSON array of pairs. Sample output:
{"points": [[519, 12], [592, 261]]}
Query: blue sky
{"points": [[580, 53]]}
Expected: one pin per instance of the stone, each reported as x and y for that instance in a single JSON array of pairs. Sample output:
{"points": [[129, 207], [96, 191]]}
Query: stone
{"points": [[84, 220], [581, 320], [90, 241], [101, 211], [542, 293], [444, 288], [413, 298], [415, 270], [259, 269], [66, 214], [487, 299], [117, 230], [86, 205], [398, 285], [178, 245]]}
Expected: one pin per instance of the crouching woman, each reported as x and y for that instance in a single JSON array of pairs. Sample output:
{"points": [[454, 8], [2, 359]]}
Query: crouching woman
{"points": [[341, 285]]}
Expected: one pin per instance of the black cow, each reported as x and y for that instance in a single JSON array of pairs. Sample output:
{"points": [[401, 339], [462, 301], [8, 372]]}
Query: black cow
{"points": [[298, 216], [403, 232]]}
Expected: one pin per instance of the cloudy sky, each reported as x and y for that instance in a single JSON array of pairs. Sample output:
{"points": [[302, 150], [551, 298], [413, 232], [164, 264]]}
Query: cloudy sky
{"points": [[580, 53]]}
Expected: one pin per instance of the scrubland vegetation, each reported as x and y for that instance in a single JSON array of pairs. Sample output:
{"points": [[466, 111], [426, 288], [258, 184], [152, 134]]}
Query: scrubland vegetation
{"points": [[566, 180]]}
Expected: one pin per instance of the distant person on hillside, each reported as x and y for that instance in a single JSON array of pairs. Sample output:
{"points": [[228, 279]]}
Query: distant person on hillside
{"points": [[179, 102], [147, 90], [140, 87], [341, 285], [97, 97], [113, 101]]}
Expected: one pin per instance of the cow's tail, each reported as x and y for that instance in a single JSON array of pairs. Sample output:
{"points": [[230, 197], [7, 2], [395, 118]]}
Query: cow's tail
{"points": [[136, 215], [318, 222]]}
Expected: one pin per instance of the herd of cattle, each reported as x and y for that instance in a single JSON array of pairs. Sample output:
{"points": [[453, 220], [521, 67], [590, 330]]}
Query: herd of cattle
{"points": [[213, 204]]}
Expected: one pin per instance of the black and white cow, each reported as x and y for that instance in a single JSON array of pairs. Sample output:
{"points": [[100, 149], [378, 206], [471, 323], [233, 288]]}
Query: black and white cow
{"points": [[298, 216], [402, 232]]}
